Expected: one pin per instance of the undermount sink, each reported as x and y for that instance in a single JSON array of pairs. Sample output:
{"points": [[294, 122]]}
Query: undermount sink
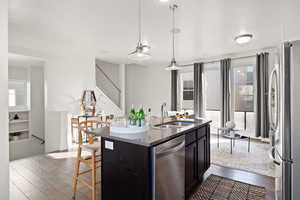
{"points": [[165, 126], [174, 124]]}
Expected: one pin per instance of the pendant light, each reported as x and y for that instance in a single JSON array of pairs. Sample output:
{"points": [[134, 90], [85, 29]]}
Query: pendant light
{"points": [[88, 102], [141, 50], [173, 65]]}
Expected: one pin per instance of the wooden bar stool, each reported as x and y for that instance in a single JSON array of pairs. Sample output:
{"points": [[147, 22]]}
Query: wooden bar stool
{"points": [[93, 161], [75, 125], [109, 118]]}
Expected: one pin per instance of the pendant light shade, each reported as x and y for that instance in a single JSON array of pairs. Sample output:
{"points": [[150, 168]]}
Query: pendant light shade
{"points": [[142, 50], [140, 53], [88, 102], [173, 65]]}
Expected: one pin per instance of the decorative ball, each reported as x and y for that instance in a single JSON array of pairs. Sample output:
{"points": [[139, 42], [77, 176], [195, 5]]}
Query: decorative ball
{"points": [[230, 124]]}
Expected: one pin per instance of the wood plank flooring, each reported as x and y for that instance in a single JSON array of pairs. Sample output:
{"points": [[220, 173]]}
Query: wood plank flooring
{"points": [[49, 177], [45, 177]]}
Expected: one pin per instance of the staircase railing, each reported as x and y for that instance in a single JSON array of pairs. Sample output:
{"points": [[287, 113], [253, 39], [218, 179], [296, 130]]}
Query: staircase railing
{"points": [[107, 85], [38, 138]]}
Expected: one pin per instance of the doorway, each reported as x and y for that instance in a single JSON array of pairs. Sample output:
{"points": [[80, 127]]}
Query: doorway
{"points": [[26, 106]]}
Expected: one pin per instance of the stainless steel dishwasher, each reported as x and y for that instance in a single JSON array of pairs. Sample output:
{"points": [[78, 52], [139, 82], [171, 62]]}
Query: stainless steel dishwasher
{"points": [[169, 170]]}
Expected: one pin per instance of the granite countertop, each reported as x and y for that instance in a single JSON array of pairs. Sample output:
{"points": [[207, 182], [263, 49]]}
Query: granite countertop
{"points": [[154, 135]]}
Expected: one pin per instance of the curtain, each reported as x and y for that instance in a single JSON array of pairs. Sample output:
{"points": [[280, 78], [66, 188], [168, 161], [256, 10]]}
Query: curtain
{"points": [[174, 74], [225, 91], [261, 95], [198, 90]]}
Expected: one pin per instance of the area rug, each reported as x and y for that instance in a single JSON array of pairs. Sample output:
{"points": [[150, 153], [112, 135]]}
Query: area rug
{"points": [[219, 188], [257, 160]]}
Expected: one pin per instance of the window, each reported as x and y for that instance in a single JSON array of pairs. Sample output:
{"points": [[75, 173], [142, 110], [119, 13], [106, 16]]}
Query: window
{"points": [[212, 94], [243, 98], [11, 97], [188, 90], [17, 94], [243, 89]]}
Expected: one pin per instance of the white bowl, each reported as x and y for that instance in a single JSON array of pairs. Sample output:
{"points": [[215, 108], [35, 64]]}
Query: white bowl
{"points": [[128, 130]]}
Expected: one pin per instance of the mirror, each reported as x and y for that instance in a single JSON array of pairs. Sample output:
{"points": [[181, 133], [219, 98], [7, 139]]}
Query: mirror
{"points": [[17, 94]]}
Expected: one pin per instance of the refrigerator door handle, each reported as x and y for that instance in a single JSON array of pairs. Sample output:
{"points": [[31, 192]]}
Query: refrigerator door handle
{"points": [[273, 125], [272, 155], [289, 161]]}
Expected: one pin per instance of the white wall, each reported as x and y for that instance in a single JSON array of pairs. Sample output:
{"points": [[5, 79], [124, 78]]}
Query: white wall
{"points": [[66, 76], [37, 95], [290, 23], [149, 86], [17, 72], [111, 70], [4, 170], [123, 87], [23, 149]]}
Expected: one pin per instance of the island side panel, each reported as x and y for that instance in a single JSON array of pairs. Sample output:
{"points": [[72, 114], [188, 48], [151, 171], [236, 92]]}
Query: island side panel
{"points": [[197, 157], [208, 148], [125, 172]]}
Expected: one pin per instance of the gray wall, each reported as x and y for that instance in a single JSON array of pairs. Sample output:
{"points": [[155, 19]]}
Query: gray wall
{"points": [[149, 86]]}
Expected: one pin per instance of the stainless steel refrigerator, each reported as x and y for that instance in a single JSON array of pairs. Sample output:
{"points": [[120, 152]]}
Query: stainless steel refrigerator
{"points": [[284, 115]]}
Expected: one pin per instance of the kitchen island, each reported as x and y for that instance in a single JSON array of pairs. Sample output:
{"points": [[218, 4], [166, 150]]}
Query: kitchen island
{"points": [[165, 162]]}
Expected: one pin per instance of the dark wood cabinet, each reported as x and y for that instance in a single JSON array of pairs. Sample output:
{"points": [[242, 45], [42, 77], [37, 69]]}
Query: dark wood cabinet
{"points": [[208, 148], [190, 137], [127, 168], [191, 177], [202, 132], [203, 150], [202, 154], [125, 171], [197, 157]]}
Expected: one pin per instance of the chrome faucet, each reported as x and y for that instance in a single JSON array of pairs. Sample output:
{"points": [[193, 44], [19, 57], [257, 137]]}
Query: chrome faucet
{"points": [[164, 112]]}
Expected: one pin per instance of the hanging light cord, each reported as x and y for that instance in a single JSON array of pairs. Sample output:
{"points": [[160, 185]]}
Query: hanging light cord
{"points": [[173, 30], [140, 20]]}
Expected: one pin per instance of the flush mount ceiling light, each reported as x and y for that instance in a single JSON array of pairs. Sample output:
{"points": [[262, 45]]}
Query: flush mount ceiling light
{"points": [[243, 39], [173, 65], [164, 1], [141, 50]]}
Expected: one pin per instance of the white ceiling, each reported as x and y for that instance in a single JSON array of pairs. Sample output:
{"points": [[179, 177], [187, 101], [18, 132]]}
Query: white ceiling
{"points": [[108, 28], [23, 61]]}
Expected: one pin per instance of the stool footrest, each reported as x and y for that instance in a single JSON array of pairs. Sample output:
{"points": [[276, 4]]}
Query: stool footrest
{"points": [[84, 183], [87, 184]]}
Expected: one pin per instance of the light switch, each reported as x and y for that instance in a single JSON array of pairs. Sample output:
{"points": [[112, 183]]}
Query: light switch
{"points": [[109, 145]]}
